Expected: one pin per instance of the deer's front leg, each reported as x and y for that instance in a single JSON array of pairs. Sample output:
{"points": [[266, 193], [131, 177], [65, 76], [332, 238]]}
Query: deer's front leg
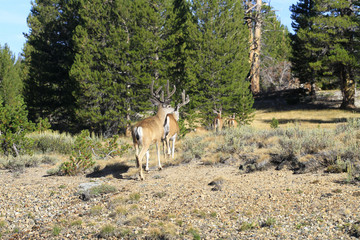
{"points": [[147, 160], [158, 154]]}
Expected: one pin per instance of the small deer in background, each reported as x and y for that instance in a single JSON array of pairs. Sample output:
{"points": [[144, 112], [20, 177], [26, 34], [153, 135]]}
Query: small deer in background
{"points": [[171, 127], [218, 121], [232, 123], [151, 129]]}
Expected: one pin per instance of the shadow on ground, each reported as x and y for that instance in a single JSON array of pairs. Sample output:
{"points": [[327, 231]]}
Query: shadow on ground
{"points": [[296, 99], [314, 121], [116, 170]]}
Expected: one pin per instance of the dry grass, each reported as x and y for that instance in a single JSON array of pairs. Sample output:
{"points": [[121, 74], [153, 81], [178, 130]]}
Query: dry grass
{"points": [[326, 118]]}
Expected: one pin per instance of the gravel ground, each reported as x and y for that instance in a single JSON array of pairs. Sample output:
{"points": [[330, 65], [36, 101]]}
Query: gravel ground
{"points": [[179, 203]]}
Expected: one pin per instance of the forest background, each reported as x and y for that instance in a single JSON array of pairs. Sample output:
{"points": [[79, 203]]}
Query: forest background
{"points": [[89, 64]]}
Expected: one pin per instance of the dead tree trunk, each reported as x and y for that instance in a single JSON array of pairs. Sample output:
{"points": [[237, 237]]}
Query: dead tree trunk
{"points": [[254, 23]]}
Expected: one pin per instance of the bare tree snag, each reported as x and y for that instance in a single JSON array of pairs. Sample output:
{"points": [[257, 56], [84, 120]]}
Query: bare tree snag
{"points": [[254, 23]]}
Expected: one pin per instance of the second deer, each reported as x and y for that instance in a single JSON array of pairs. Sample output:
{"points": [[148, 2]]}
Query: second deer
{"points": [[171, 127], [232, 123]]}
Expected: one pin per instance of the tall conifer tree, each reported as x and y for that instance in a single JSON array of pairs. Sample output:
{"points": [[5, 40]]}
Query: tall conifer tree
{"points": [[118, 46], [49, 55], [302, 15], [11, 84], [221, 65]]}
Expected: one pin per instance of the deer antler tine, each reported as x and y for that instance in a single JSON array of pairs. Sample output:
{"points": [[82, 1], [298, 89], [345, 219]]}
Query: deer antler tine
{"points": [[158, 90], [184, 101], [162, 96], [172, 93], [156, 94], [152, 87], [183, 95], [167, 88]]}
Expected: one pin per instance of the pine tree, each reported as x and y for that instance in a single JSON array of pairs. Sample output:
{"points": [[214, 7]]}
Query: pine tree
{"points": [[221, 65], [49, 55], [302, 14], [333, 37], [118, 45], [11, 84]]}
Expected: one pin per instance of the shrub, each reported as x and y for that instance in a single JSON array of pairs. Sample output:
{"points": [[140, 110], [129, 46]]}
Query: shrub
{"points": [[111, 148], [23, 161], [42, 124], [81, 158], [194, 147], [13, 129], [294, 142], [274, 123], [52, 142]]}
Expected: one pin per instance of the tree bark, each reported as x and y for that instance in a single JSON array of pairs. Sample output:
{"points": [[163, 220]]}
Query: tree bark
{"points": [[347, 88], [254, 23]]}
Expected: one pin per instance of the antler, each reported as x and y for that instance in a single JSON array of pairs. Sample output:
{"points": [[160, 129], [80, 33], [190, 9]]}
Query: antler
{"points": [[157, 98], [169, 94], [217, 111], [184, 101]]}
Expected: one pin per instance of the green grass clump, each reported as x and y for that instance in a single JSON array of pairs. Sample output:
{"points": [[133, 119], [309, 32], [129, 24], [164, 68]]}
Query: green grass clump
{"points": [[56, 230], [195, 233], [96, 210], [134, 197], [245, 226], [107, 231], [102, 189], [269, 222]]}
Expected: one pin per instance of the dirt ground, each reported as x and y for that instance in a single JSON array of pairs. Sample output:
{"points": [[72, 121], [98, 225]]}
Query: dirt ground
{"points": [[179, 203]]}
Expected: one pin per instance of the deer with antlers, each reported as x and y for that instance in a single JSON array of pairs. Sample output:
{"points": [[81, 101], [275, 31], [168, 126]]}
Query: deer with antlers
{"points": [[232, 123], [171, 127], [151, 129], [218, 121]]}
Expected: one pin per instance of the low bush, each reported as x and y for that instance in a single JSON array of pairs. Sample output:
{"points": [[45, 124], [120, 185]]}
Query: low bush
{"points": [[52, 142], [193, 148]]}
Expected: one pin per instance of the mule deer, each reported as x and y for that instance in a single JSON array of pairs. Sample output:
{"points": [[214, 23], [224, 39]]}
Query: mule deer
{"points": [[218, 121], [171, 127], [151, 129]]}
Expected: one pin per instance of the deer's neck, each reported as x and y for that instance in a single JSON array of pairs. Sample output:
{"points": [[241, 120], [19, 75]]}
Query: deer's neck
{"points": [[161, 114]]}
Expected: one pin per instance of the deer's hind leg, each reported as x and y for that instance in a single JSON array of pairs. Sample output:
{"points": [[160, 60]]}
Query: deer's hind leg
{"points": [[139, 158]]}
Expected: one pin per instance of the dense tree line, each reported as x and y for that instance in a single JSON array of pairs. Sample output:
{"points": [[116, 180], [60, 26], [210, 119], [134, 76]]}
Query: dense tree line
{"points": [[89, 64]]}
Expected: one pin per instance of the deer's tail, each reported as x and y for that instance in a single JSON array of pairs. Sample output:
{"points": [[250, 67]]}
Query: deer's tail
{"points": [[137, 134]]}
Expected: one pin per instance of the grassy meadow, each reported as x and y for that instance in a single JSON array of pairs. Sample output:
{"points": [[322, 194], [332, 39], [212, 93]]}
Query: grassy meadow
{"points": [[302, 139]]}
